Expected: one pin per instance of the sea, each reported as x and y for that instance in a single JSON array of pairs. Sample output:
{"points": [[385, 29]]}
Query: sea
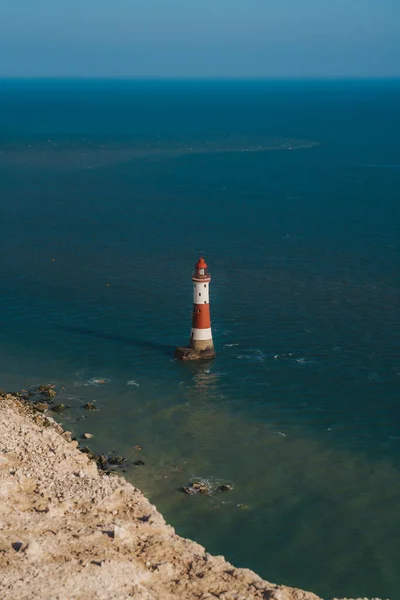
{"points": [[110, 190]]}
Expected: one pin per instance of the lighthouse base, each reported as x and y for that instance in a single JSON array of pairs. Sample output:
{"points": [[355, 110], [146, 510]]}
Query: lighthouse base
{"points": [[192, 354]]}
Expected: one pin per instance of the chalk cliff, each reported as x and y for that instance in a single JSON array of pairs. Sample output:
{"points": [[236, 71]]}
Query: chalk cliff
{"points": [[68, 531]]}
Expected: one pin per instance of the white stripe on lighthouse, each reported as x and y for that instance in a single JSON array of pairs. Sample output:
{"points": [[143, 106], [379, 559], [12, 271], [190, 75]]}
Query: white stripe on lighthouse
{"points": [[201, 294], [201, 334]]}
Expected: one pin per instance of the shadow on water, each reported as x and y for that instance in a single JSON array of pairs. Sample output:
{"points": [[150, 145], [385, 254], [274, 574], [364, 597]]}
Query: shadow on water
{"points": [[112, 337]]}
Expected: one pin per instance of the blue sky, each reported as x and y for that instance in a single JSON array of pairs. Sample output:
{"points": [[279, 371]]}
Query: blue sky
{"points": [[211, 38]]}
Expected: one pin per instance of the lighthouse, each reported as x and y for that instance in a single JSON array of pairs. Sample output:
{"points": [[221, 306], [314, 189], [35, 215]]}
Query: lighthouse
{"points": [[201, 345]]}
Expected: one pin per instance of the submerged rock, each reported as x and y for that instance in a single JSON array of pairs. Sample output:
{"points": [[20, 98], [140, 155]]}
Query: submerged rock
{"points": [[47, 390], [102, 462], [225, 487], [206, 487], [138, 463], [90, 406], [87, 436], [22, 395], [115, 460], [137, 447], [89, 452], [45, 387], [59, 407], [197, 487], [41, 406]]}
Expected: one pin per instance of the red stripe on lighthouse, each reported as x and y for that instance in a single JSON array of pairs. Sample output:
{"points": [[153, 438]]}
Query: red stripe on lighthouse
{"points": [[201, 316]]}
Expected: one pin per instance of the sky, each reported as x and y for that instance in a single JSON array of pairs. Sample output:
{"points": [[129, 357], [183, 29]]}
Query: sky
{"points": [[189, 38]]}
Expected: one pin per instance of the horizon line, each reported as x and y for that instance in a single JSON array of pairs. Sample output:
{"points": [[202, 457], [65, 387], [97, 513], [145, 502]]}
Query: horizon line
{"points": [[202, 77]]}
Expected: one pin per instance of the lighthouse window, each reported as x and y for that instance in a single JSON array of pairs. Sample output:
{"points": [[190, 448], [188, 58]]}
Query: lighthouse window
{"points": [[199, 293], [205, 301], [199, 310], [205, 285]]}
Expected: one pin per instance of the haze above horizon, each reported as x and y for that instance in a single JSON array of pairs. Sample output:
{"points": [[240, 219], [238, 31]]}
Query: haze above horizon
{"points": [[177, 39]]}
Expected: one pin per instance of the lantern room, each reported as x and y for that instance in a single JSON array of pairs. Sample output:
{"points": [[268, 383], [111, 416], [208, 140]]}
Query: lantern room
{"points": [[201, 271]]}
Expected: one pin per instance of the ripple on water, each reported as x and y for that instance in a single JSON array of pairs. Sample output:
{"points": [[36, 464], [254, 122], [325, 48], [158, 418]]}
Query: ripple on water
{"points": [[253, 355]]}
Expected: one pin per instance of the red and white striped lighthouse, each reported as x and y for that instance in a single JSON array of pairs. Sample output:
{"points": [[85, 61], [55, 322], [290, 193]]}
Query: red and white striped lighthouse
{"points": [[201, 334], [201, 343]]}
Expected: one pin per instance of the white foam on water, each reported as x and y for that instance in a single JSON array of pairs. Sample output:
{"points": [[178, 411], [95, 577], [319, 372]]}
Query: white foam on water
{"points": [[97, 381], [132, 382], [283, 356], [304, 361], [253, 355], [93, 381]]}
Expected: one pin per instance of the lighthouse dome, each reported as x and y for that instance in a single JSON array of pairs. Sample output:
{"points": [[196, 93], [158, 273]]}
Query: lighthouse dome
{"points": [[201, 264], [201, 271]]}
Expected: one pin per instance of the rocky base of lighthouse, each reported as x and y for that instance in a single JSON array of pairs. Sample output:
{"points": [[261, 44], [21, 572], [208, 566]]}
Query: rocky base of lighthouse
{"points": [[187, 353]]}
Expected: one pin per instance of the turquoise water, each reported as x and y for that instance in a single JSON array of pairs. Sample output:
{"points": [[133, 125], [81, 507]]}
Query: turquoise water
{"points": [[108, 193]]}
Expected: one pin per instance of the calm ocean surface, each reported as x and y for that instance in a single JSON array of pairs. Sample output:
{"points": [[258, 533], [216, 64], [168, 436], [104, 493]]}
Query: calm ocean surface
{"points": [[108, 193]]}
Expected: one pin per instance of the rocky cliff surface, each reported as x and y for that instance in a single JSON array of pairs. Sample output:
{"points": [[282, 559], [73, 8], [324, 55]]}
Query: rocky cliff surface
{"points": [[68, 531]]}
